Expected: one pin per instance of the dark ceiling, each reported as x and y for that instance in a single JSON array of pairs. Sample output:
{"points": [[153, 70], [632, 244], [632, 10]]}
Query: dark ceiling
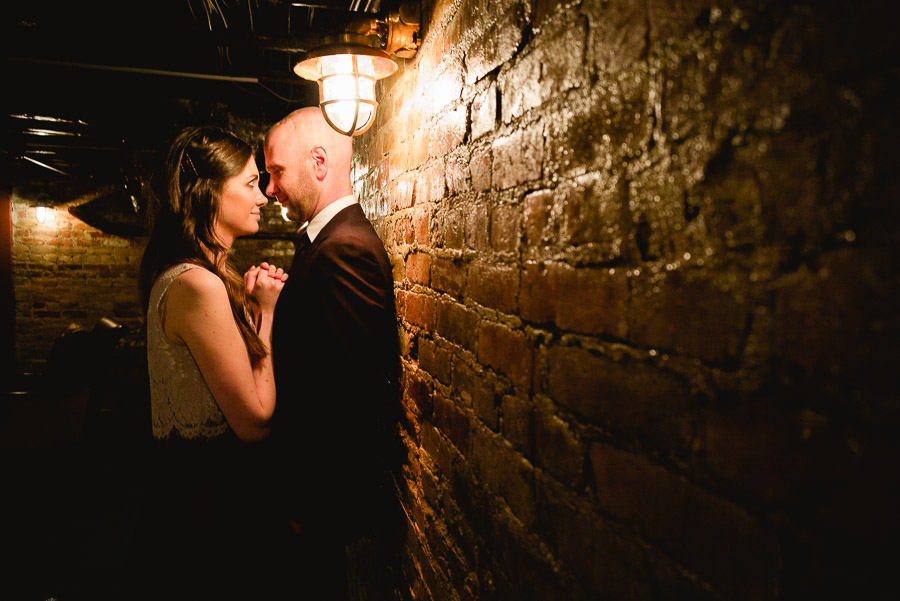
{"points": [[91, 87]]}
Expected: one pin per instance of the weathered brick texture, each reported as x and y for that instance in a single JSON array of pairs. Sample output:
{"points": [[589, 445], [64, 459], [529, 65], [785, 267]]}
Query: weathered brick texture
{"points": [[645, 269], [66, 272]]}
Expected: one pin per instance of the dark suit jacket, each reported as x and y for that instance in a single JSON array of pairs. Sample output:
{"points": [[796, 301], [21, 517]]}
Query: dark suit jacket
{"points": [[336, 357]]}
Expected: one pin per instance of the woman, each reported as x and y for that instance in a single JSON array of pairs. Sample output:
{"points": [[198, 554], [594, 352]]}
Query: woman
{"points": [[210, 370], [211, 382]]}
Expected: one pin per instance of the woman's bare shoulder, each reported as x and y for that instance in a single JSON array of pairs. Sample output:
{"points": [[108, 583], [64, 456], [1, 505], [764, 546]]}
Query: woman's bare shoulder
{"points": [[198, 284]]}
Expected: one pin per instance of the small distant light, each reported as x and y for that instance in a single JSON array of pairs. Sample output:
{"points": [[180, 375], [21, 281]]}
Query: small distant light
{"points": [[43, 209], [43, 214]]}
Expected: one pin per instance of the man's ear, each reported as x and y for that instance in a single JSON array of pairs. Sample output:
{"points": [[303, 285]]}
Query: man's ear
{"points": [[320, 161]]}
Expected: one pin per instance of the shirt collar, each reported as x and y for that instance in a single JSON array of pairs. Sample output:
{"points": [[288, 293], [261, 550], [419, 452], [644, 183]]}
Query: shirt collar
{"points": [[325, 215]]}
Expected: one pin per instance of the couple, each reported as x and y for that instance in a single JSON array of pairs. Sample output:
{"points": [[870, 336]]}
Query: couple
{"points": [[277, 516]]}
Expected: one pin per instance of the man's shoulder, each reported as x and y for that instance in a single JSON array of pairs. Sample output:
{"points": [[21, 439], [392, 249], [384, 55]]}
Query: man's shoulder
{"points": [[353, 232]]}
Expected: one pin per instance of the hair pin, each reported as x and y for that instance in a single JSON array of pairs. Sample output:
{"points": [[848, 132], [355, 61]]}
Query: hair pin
{"points": [[191, 163]]}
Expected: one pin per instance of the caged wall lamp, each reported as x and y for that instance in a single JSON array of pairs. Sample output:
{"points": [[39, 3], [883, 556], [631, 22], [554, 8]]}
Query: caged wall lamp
{"points": [[347, 66]]}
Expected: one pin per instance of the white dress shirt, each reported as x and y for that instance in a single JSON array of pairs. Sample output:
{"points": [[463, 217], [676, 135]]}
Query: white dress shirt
{"points": [[325, 215]]}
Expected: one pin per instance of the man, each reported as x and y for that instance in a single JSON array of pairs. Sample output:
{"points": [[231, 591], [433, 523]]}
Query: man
{"points": [[336, 353]]}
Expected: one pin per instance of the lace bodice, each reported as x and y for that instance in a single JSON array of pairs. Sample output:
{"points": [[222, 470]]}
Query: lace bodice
{"points": [[180, 401]]}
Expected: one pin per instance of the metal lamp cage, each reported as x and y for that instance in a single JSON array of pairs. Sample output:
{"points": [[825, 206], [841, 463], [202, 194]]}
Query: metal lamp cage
{"points": [[346, 74]]}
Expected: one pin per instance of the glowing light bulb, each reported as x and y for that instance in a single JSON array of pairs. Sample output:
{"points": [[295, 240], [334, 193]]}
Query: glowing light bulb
{"points": [[43, 214]]}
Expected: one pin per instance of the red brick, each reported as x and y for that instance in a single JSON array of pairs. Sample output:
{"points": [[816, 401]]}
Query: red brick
{"points": [[419, 392], [497, 45], [689, 315], [506, 473], [402, 192], [664, 506], [518, 158], [516, 419], [480, 169], [507, 351], [637, 398], [418, 268], [402, 231], [448, 132], [418, 147], [592, 213], [505, 228], [477, 227], [557, 449], [452, 422], [419, 309], [429, 56], [451, 233], [449, 276], [561, 62], [484, 112], [521, 87], [457, 173], [436, 448], [457, 324], [421, 224], [777, 452], [398, 160], [494, 286], [587, 300], [536, 216], [430, 183], [476, 390], [434, 359], [538, 298]]}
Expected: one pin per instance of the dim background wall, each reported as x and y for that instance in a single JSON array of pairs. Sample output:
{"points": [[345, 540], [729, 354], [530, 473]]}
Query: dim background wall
{"points": [[645, 263], [67, 272]]}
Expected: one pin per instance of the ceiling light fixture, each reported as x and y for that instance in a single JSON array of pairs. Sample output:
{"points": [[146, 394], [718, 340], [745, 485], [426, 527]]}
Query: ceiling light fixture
{"points": [[347, 66]]}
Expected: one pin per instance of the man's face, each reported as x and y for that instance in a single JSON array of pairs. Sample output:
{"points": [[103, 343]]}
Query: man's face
{"points": [[291, 180]]}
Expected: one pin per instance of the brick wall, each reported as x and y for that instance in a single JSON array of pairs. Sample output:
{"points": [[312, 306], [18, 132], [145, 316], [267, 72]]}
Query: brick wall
{"points": [[68, 272], [643, 263]]}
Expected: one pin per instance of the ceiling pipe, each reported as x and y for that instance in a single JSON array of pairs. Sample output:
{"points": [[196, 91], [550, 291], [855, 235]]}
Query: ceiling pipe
{"points": [[42, 164], [138, 70]]}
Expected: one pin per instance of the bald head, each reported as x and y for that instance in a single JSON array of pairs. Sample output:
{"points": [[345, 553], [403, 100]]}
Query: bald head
{"points": [[308, 163], [306, 128]]}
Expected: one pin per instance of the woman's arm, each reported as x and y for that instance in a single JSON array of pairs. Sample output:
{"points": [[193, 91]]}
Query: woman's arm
{"points": [[198, 314]]}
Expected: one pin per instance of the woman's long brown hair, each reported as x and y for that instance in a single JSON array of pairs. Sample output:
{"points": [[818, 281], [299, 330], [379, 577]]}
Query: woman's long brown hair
{"points": [[183, 204]]}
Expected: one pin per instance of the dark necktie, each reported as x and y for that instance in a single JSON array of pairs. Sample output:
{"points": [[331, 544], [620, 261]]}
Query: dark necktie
{"points": [[302, 242], [301, 245]]}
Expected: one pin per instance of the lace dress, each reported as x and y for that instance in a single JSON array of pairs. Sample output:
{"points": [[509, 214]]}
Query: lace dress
{"points": [[180, 401], [207, 488]]}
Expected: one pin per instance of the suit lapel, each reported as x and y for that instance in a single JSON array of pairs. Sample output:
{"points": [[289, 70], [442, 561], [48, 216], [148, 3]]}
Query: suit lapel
{"points": [[305, 251]]}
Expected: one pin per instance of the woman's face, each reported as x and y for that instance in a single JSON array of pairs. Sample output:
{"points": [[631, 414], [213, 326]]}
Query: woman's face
{"points": [[240, 204]]}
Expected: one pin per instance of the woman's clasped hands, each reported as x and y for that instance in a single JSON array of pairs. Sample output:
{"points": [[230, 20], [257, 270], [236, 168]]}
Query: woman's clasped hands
{"points": [[264, 282]]}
